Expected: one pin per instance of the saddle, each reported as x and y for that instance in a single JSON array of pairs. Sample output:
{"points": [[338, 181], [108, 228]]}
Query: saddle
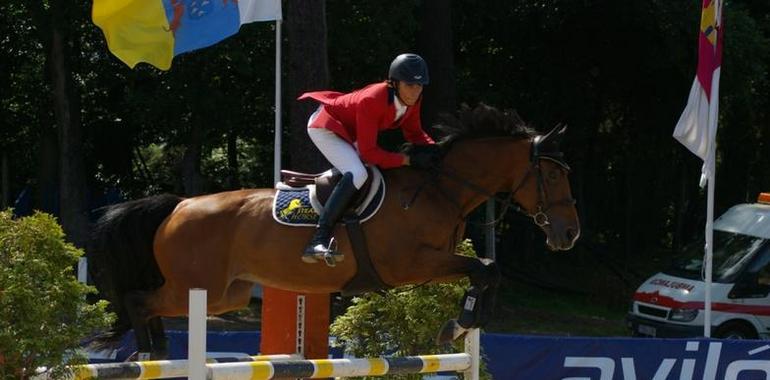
{"points": [[324, 183], [301, 196]]}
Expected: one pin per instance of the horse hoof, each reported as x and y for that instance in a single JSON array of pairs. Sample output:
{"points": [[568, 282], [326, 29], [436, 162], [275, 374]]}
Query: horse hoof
{"points": [[159, 355], [139, 357], [450, 332]]}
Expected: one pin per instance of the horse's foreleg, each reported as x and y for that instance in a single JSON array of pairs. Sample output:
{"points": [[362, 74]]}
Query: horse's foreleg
{"points": [[478, 302]]}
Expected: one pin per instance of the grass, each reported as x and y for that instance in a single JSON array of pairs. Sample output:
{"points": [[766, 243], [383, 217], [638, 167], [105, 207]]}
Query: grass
{"points": [[521, 309], [526, 309]]}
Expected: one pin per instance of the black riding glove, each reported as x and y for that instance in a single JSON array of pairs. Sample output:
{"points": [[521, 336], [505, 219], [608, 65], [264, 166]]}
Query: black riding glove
{"points": [[424, 159], [426, 148]]}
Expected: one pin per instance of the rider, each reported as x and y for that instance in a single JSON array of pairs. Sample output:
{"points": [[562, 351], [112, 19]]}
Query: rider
{"points": [[345, 128]]}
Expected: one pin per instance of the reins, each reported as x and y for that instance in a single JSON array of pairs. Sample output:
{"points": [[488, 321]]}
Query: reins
{"points": [[540, 217]]}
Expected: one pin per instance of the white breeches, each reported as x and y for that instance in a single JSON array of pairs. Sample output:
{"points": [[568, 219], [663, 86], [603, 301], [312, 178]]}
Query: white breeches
{"points": [[339, 152]]}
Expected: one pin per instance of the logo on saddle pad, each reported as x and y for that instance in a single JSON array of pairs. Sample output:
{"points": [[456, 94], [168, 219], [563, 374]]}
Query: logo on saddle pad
{"points": [[300, 206], [296, 211]]}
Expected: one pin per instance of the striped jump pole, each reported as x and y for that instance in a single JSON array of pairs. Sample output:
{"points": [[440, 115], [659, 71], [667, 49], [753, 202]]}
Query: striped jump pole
{"points": [[314, 369], [156, 369], [280, 366]]}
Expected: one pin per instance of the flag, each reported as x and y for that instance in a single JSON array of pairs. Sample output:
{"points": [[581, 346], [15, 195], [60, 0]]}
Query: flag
{"points": [[154, 31], [697, 127]]}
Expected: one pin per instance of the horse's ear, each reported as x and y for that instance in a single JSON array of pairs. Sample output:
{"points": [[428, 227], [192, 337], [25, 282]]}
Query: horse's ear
{"points": [[556, 134]]}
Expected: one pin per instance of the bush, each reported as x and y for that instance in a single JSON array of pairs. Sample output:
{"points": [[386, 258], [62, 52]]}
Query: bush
{"points": [[404, 322], [43, 311]]}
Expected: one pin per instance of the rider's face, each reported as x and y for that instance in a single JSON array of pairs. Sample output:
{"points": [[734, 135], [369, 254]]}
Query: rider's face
{"points": [[409, 93]]}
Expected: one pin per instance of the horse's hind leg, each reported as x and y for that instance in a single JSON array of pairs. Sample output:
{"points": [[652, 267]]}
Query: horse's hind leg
{"points": [[158, 338], [237, 296], [137, 314]]}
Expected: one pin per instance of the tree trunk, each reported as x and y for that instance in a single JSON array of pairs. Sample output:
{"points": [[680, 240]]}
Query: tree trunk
{"points": [[72, 184], [5, 178], [308, 70], [47, 190], [192, 178], [436, 47], [52, 24], [233, 182]]}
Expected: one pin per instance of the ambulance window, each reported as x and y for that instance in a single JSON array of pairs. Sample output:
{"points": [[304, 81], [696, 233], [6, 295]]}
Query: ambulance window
{"points": [[733, 253], [763, 277], [761, 266]]}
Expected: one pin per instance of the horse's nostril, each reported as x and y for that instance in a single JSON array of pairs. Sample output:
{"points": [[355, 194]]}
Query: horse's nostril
{"points": [[571, 234]]}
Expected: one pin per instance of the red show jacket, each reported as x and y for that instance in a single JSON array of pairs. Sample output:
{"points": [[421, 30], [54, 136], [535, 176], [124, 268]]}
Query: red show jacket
{"points": [[359, 116]]}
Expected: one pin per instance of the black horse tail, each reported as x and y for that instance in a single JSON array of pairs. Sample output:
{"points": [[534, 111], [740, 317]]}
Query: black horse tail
{"points": [[120, 255]]}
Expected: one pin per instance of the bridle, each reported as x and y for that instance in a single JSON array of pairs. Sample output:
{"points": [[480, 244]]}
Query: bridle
{"points": [[540, 217]]}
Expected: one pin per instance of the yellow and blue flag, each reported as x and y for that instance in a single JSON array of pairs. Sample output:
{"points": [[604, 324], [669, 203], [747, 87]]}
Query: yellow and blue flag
{"points": [[154, 31]]}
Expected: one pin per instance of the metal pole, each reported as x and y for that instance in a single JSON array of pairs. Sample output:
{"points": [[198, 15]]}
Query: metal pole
{"points": [[490, 237], [277, 155]]}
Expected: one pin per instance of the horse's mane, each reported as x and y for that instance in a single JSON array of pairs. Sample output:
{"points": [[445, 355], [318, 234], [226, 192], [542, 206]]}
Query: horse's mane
{"points": [[482, 121]]}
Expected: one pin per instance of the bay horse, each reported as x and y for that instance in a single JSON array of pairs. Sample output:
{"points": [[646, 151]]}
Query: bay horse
{"points": [[146, 254]]}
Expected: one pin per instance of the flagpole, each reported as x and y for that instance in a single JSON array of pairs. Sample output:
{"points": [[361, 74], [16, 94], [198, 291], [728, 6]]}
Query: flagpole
{"points": [[277, 144], [710, 177]]}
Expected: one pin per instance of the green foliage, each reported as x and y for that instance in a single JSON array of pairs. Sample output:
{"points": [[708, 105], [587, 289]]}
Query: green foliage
{"points": [[43, 311], [402, 322]]}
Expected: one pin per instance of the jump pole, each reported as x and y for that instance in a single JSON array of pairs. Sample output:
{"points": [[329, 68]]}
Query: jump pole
{"points": [[196, 333], [275, 366]]}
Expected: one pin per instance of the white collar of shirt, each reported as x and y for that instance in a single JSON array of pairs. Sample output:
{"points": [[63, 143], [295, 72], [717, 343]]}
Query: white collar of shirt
{"points": [[400, 108]]}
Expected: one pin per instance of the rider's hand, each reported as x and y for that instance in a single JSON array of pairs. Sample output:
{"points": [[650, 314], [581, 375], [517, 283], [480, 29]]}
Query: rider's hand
{"points": [[424, 159]]}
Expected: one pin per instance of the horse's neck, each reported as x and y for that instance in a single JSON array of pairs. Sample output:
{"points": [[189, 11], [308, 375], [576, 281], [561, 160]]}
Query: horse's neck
{"points": [[491, 164]]}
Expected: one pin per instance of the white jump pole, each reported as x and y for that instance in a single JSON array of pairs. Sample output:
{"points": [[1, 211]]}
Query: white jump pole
{"points": [[472, 348], [196, 332]]}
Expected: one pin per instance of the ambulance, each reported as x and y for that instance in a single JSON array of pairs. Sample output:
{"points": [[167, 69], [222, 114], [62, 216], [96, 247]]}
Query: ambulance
{"points": [[670, 304]]}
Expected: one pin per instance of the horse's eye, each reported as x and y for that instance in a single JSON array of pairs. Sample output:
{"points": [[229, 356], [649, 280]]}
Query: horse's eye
{"points": [[552, 176]]}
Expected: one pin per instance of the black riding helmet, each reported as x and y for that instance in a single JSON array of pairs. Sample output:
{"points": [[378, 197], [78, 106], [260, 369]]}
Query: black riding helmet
{"points": [[409, 68]]}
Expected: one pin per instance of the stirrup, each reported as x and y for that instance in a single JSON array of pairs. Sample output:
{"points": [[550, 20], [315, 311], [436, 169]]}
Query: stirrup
{"points": [[330, 256]]}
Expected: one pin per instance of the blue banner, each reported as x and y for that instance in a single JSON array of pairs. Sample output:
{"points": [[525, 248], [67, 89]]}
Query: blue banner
{"points": [[567, 358]]}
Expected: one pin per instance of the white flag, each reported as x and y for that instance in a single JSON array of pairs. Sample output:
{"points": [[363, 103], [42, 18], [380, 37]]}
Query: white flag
{"points": [[697, 127]]}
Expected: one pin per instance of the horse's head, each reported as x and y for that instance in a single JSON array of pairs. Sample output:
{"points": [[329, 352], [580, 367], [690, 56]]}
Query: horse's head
{"points": [[537, 183], [544, 191]]}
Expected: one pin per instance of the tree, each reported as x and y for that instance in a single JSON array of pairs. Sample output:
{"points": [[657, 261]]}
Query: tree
{"points": [[308, 70], [43, 311], [57, 35], [435, 43]]}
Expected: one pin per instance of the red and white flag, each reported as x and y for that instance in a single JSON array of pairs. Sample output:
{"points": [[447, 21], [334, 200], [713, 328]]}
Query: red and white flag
{"points": [[697, 127]]}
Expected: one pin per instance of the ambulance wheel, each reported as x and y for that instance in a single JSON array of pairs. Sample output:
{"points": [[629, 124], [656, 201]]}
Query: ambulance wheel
{"points": [[735, 330]]}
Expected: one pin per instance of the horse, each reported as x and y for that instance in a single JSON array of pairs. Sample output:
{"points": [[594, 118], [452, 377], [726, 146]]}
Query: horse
{"points": [[148, 253]]}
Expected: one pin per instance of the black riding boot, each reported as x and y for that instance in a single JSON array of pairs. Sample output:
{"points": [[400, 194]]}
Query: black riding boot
{"points": [[336, 205]]}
